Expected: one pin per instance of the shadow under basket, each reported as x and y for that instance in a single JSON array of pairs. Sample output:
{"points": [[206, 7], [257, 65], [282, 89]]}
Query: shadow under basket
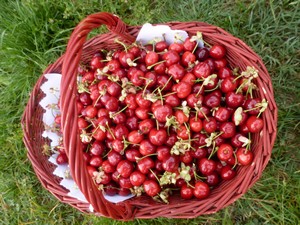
{"points": [[80, 50]]}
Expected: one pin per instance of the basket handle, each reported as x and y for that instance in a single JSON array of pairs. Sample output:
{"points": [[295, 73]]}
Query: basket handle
{"points": [[123, 210]]}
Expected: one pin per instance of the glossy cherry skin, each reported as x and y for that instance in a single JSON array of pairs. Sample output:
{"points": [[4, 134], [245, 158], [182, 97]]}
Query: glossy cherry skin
{"points": [[158, 137], [132, 154], [183, 89], [125, 168], [250, 104], [171, 163], [233, 99], [201, 190], [162, 112], [228, 129], [146, 147], [225, 151], [151, 188], [217, 51], [176, 71], [228, 85], [210, 125], [227, 173], [206, 166], [202, 70], [200, 153], [171, 57], [195, 124], [254, 124], [186, 192], [114, 158], [222, 114], [244, 156], [213, 179], [202, 54], [145, 164], [137, 178], [107, 167]]}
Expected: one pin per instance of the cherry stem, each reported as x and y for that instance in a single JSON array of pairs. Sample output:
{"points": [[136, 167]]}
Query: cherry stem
{"points": [[121, 43], [214, 150], [235, 160], [157, 63], [109, 130], [145, 156], [113, 115], [155, 176]]}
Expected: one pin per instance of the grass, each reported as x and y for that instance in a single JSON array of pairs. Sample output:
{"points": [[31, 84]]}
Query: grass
{"points": [[34, 33]]}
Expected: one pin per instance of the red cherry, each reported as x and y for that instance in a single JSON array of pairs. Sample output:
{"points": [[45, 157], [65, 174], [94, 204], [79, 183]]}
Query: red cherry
{"points": [[132, 123], [187, 157], [172, 100], [195, 124], [157, 137], [224, 152], [186, 192], [142, 113], [132, 154], [213, 179], [222, 114], [61, 159], [220, 63], [244, 156], [137, 178], [151, 188], [189, 44], [234, 100], [97, 148], [125, 182], [162, 112], [250, 104], [135, 137], [202, 70], [171, 163], [211, 100], [114, 89], [145, 164], [188, 58], [200, 153], [161, 46], [228, 85], [96, 161], [207, 166], [98, 134], [210, 125], [107, 167], [254, 124], [228, 129], [227, 173], [201, 190], [171, 57], [141, 101], [176, 71], [183, 89], [125, 168], [217, 51], [91, 170], [224, 72], [189, 78], [151, 58], [146, 147], [183, 132], [114, 158], [178, 47], [163, 152]]}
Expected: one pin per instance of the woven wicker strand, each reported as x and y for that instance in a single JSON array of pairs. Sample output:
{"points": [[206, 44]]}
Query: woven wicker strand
{"points": [[80, 50]]}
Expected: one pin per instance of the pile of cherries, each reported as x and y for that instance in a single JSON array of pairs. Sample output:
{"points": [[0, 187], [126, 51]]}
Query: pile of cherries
{"points": [[165, 118]]}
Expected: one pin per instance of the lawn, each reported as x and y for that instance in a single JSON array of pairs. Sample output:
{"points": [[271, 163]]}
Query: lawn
{"points": [[34, 34]]}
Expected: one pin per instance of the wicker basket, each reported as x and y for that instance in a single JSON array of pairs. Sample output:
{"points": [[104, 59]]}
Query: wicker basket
{"points": [[78, 50]]}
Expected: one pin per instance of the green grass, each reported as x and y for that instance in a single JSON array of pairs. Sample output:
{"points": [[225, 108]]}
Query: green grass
{"points": [[34, 33]]}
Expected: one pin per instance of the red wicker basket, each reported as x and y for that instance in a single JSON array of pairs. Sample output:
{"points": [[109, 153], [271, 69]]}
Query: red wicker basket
{"points": [[80, 50]]}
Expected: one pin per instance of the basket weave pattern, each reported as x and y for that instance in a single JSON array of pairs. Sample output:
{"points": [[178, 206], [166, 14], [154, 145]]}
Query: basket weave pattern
{"points": [[80, 50]]}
